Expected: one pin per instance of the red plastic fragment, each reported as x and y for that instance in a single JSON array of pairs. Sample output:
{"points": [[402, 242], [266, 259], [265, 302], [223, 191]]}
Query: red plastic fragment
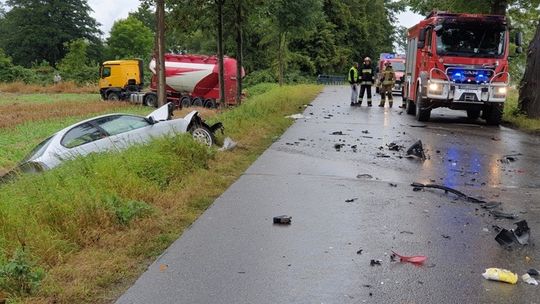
{"points": [[417, 259]]}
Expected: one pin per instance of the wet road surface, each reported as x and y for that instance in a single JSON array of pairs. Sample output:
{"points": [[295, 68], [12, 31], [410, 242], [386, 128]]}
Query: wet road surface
{"points": [[234, 254]]}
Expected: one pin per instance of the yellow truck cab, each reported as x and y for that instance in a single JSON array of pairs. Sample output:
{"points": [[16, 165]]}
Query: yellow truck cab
{"points": [[120, 78]]}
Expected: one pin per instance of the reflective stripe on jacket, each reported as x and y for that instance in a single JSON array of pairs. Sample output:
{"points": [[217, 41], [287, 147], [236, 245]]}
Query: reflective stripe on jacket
{"points": [[366, 75], [388, 77], [353, 75]]}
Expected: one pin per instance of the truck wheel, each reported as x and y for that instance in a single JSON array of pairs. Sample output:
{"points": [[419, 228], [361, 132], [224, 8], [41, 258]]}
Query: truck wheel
{"points": [[113, 96], [198, 102], [203, 135], [185, 102], [210, 103], [410, 107], [421, 113], [150, 100], [473, 114], [494, 114]]}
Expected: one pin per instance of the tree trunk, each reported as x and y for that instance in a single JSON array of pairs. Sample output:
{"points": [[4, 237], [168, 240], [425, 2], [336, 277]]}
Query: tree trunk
{"points": [[160, 60], [220, 53], [529, 97], [281, 59], [239, 50], [498, 7]]}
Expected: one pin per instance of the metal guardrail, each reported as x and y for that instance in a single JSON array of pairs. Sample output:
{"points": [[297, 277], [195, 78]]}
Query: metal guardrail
{"points": [[330, 79]]}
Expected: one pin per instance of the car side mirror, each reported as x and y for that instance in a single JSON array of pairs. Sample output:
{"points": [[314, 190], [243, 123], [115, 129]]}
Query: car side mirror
{"points": [[151, 120]]}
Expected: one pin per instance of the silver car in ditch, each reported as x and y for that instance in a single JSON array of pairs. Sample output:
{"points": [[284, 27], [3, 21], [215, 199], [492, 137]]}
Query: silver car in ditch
{"points": [[114, 132]]}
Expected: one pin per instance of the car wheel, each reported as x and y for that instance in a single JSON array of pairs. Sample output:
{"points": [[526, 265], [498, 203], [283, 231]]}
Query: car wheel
{"points": [[473, 114], [494, 114], [198, 102], [210, 103], [150, 100], [422, 114], [203, 135], [113, 96], [185, 102]]}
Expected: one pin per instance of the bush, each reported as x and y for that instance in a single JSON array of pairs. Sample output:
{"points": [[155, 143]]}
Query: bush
{"points": [[19, 276], [261, 76]]}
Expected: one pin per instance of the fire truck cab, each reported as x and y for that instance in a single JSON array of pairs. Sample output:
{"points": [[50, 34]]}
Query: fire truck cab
{"points": [[459, 61]]}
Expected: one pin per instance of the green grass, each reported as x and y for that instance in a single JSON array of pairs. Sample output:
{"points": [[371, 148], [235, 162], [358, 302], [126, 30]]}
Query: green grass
{"points": [[16, 142], [9, 98], [91, 226], [513, 117]]}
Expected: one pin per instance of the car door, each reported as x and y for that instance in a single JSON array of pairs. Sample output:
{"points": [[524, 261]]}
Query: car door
{"points": [[126, 130]]}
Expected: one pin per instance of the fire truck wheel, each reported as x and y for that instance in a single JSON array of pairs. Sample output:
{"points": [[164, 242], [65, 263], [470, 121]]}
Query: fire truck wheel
{"points": [[150, 100], [410, 107], [473, 114], [113, 96], [197, 102], [203, 135], [422, 114], [185, 102], [494, 114], [210, 103]]}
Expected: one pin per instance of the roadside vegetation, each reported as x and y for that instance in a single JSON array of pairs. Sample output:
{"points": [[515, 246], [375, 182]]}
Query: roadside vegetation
{"points": [[514, 117], [83, 232]]}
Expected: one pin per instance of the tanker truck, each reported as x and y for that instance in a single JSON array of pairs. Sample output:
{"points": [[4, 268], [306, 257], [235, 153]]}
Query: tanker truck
{"points": [[191, 80]]}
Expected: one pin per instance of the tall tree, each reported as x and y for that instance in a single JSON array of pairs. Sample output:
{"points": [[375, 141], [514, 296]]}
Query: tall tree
{"points": [[130, 38], [36, 30], [219, 5], [291, 18], [529, 96]]}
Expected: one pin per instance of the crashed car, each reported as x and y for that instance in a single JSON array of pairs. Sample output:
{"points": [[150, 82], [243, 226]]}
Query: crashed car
{"points": [[114, 132]]}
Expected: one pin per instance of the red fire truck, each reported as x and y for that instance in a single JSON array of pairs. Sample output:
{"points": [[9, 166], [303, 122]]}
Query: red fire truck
{"points": [[459, 61]]}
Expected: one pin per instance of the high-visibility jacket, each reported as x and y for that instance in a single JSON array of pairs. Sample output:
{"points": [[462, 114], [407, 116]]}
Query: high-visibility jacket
{"points": [[388, 77], [366, 75], [353, 75]]}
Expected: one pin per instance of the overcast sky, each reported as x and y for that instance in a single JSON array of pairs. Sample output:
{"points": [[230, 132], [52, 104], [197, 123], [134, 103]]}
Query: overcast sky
{"points": [[107, 11]]}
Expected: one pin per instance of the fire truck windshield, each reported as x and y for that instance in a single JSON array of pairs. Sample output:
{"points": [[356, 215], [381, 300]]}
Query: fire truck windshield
{"points": [[398, 66], [471, 41]]}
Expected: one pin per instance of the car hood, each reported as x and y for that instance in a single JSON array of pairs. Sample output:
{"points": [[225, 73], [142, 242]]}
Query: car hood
{"points": [[162, 113]]}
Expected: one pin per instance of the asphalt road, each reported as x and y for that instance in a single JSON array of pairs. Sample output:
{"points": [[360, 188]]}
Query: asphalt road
{"points": [[234, 254]]}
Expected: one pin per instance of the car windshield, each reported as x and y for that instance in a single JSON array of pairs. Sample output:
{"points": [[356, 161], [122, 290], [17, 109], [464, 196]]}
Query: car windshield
{"points": [[471, 40], [38, 150], [398, 66]]}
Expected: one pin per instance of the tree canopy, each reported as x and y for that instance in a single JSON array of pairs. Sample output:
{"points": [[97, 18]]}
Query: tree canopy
{"points": [[130, 38], [35, 30]]}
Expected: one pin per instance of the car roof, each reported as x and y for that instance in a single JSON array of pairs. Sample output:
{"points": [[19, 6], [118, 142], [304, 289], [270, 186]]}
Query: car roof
{"points": [[94, 118]]}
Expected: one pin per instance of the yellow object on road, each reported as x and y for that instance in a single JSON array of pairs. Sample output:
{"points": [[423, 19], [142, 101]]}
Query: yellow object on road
{"points": [[501, 275]]}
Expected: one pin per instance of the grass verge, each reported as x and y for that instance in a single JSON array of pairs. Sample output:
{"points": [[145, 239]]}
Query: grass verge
{"points": [[83, 232], [63, 87], [513, 117]]}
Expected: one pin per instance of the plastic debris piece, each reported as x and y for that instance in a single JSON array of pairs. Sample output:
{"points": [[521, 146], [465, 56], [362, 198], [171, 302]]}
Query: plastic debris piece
{"points": [[359, 251], [500, 214], [351, 200], [533, 272], [364, 176], [522, 232], [417, 150], [527, 279], [501, 275], [337, 133], [520, 235], [282, 220], [296, 116], [375, 262], [394, 147], [228, 144], [392, 185], [416, 259]]}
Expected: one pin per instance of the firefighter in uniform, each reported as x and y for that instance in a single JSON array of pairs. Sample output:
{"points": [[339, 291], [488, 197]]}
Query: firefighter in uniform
{"points": [[388, 79], [353, 80], [366, 81]]}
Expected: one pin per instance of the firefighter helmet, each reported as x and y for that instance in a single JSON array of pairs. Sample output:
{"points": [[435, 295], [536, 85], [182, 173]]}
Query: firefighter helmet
{"points": [[367, 59]]}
